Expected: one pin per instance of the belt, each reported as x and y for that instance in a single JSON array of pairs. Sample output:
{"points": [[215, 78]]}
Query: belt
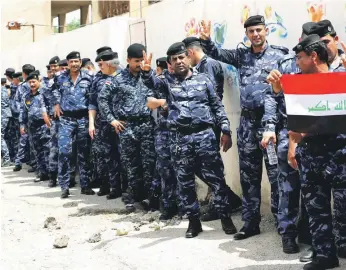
{"points": [[191, 130], [37, 123], [136, 118], [255, 115], [76, 114]]}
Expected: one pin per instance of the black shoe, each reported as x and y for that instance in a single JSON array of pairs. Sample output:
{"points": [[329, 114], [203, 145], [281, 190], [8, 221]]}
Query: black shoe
{"points": [[195, 227], [17, 168], [104, 190], [52, 183], [130, 208], [322, 263], [31, 170], [114, 194], [289, 245], [53, 178], [228, 226], [87, 191], [168, 213], [210, 216], [247, 232], [307, 255], [65, 193], [342, 252]]}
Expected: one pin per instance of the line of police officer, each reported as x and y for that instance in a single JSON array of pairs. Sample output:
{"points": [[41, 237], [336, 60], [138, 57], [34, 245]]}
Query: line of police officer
{"points": [[116, 106]]}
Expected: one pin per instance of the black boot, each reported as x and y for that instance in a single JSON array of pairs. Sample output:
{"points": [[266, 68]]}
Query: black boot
{"points": [[17, 168], [289, 245], [308, 255], [247, 231], [322, 263], [53, 178], [31, 170], [104, 190], [114, 194], [64, 194], [195, 227], [87, 191], [228, 226]]}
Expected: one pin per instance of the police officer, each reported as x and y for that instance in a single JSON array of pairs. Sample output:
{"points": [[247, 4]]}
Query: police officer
{"points": [[63, 65], [275, 121], [9, 74], [5, 117], [194, 108], [122, 101], [161, 65], [205, 64], [105, 139], [321, 161], [70, 98], [34, 120], [88, 65], [253, 66]]}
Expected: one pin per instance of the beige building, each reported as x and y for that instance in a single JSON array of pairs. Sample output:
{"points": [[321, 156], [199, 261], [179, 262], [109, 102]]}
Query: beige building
{"points": [[36, 16]]}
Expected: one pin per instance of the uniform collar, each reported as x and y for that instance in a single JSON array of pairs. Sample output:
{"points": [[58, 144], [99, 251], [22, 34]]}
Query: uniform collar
{"points": [[336, 63], [203, 60]]}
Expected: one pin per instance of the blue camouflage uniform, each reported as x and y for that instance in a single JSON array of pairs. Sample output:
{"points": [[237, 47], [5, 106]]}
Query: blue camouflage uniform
{"points": [[13, 132], [30, 118], [194, 108], [124, 98], [106, 142], [275, 120], [6, 114], [253, 69], [74, 100], [25, 148]]}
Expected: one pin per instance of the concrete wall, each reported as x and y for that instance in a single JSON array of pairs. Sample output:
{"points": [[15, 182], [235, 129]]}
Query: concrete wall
{"points": [[33, 12], [173, 20]]}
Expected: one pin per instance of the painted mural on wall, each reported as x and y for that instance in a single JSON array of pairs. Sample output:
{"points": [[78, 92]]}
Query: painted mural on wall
{"points": [[316, 10], [192, 28]]}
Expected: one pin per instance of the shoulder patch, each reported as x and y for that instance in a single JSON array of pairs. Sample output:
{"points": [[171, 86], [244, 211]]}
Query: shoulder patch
{"points": [[281, 48], [107, 83]]}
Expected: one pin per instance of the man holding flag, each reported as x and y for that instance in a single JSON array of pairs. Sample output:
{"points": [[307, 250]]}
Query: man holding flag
{"points": [[321, 144]]}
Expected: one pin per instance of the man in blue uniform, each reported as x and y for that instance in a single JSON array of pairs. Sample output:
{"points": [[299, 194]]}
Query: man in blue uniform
{"points": [[70, 98], [63, 65], [6, 114], [205, 64], [193, 110], [34, 120], [253, 66], [105, 139], [122, 102]]}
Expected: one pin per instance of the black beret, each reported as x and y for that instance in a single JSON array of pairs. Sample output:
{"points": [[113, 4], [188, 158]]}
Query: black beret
{"points": [[306, 29], [48, 67], [73, 55], [135, 50], [27, 68], [323, 28], [54, 60], [162, 62], [305, 42], [17, 75], [176, 48], [106, 56], [9, 72], [254, 20], [103, 49], [33, 75], [85, 61], [190, 41], [63, 63], [3, 80]]}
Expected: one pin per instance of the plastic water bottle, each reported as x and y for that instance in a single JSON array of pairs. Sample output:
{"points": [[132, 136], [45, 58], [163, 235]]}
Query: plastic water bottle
{"points": [[271, 152]]}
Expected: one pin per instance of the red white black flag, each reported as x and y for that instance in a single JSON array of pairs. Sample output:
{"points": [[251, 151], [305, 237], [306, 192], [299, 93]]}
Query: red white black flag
{"points": [[316, 103]]}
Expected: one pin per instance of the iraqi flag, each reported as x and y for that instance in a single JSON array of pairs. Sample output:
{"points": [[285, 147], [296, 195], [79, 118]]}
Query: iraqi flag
{"points": [[316, 103]]}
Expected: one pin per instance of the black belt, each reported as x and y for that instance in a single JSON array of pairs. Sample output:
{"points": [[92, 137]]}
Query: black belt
{"points": [[37, 123], [136, 118], [190, 130], [255, 115], [76, 114]]}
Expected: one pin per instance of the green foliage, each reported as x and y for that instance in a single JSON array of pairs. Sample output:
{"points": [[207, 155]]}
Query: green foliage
{"points": [[74, 24]]}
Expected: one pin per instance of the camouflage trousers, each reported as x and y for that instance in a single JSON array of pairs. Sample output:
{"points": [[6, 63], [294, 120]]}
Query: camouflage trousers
{"points": [[4, 149], [68, 128], [107, 154], [197, 153], [322, 169], [12, 135], [165, 168], [289, 189], [138, 156], [39, 135], [23, 153], [251, 156], [53, 145]]}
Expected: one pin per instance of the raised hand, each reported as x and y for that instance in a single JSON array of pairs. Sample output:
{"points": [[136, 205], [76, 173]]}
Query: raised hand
{"points": [[146, 63], [205, 30]]}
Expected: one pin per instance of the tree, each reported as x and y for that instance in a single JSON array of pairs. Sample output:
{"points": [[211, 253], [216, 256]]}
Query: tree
{"points": [[74, 24]]}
